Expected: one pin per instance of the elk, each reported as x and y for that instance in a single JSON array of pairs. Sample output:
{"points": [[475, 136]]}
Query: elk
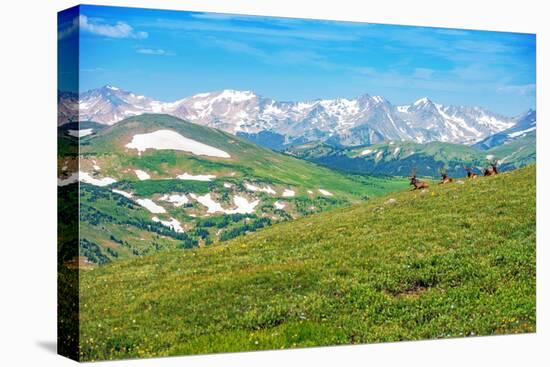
{"points": [[492, 170], [471, 175], [444, 177], [417, 183]]}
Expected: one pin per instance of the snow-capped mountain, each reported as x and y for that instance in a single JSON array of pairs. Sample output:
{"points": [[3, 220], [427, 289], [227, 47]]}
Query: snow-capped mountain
{"points": [[525, 125], [363, 120], [109, 105]]}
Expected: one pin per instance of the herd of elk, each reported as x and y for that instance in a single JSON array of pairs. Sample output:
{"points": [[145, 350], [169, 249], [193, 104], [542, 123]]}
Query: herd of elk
{"points": [[417, 184]]}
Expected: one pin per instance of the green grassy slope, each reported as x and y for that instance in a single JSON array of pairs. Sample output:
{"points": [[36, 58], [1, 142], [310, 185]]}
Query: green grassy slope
{"points": [[247, 160], [457, 260], [519, 152]]}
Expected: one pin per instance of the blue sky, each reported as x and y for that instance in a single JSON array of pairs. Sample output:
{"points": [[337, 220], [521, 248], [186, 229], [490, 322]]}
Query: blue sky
{"points": [[172, 54]]}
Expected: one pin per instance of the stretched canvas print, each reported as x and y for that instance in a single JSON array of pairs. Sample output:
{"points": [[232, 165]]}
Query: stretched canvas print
{"points": [[233, 183]]}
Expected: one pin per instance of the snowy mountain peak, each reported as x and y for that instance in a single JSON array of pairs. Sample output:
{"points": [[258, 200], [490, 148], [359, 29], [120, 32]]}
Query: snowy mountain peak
{"points": [[422, 101]]}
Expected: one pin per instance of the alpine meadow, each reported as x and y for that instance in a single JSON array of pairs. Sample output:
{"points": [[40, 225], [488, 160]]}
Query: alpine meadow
{"points": [[232, 183]]}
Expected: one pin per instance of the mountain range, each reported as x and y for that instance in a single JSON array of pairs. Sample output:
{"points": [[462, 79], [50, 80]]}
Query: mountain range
{"points": [[277, 124]]}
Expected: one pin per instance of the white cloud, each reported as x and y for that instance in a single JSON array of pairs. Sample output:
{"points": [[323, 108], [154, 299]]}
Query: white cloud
{"points": [[67, 28], [524, 90], [118, 30], [154, 51]]}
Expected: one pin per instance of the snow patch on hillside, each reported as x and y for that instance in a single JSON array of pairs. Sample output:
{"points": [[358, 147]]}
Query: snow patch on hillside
{"points": [[176, 199], [288, 193], [123, 193], [142, 175], [86, 177], [173, 224], [325, 192], [279, 205], [168, 139], [151, 206], [523, 132], [268, 189], [187, 176], [243, 206]]}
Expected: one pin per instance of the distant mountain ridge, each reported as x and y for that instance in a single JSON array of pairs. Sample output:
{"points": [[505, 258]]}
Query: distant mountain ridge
{"points": [[526, 125], [341, 121]]}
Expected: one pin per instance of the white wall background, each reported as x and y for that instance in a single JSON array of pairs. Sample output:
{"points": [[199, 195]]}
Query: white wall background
{"points": [[28, 182]]}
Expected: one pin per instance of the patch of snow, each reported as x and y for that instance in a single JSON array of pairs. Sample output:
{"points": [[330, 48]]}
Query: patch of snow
{"points": [[123, 193], [227, 185], [243, 205], [86, 177], [176, 199], [96, 167], [325, 192], [187, 176], [309, 192], [366, 152], [520, 133], [168, 139], [151, 206], [142, 175], [209, 203], [173, 224], [379, 154], [288, 193], [267, 189], [279, 205], [80, 133], [490, 156]]}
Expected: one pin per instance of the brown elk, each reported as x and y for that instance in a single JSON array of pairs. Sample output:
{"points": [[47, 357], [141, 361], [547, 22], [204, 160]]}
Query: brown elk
{"points": [[417, 183], [470, 173], [491, 171], [444, 177]]}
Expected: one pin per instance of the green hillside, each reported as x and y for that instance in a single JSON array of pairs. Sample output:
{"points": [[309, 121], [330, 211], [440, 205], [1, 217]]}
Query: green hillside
{"points": [[399, 158], [456, 260], [114, 225], [519, 152]]}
